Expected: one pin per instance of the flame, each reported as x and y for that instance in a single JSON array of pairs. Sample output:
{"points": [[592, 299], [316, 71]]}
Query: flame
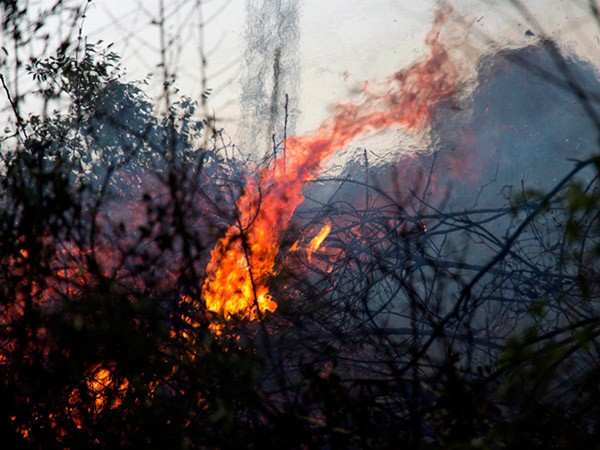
{"points": [[316, 242], [244, 259], [295, 246], [100, 381], [104, 389]]}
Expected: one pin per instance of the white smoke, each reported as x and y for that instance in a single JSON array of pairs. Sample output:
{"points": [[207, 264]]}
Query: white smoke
{"points": [[270, 79]]}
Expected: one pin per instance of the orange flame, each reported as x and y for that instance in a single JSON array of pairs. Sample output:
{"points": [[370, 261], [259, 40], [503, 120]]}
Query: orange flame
{"points": [[243, 260], [105, 391], [316, 242]]}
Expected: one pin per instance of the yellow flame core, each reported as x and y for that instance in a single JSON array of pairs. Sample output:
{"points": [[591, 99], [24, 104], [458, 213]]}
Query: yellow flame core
{"points": [[316, 242], [241, 287]]}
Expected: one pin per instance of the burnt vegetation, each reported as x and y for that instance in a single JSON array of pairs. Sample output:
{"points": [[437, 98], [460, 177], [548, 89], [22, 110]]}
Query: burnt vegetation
{"points": [[439, 312]]}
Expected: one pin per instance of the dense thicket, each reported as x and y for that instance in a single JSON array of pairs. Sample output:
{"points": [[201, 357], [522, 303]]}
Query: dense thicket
{"points": [[418, 324]]}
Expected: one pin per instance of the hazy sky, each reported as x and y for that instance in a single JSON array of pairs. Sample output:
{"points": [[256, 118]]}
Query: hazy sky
{"points": [[342, 41]]}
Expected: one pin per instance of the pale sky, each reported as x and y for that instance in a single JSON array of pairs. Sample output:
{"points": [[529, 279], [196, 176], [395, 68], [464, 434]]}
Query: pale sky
{"points": [[342, 42]]}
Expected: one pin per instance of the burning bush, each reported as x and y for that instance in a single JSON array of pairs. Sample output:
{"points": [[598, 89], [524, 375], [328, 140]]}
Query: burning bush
{"points": [[157, 292]]}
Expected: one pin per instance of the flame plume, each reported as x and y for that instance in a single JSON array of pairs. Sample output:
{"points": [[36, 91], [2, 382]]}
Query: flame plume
{"points": [[316, 242], [243, 260]]}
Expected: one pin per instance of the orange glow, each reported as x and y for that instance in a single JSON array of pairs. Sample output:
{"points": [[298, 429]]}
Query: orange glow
{"points": [[103, 388], [295, 247], [316, 242], [98, 384], [243, 260]]}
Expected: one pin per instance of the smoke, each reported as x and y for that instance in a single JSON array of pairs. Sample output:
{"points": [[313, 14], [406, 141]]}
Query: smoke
{"points": [[521, 127], [271, 76], [518, 125], [526, 122]]}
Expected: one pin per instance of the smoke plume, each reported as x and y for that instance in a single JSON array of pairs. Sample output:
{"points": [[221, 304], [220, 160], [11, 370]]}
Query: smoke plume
{"points": [[271, 77]]}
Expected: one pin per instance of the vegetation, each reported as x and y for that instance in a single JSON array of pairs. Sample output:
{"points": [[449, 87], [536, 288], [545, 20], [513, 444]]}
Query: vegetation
{"points": [[415, 326]]}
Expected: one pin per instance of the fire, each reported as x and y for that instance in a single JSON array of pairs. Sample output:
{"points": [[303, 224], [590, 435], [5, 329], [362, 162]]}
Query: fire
{"points": [[316, 242], [100, 383], [243, 260], [104, 389]]}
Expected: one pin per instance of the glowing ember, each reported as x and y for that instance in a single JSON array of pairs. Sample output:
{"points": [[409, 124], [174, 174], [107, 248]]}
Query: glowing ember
{"points": [[100, 383], [243, 260], [104, 390]]}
